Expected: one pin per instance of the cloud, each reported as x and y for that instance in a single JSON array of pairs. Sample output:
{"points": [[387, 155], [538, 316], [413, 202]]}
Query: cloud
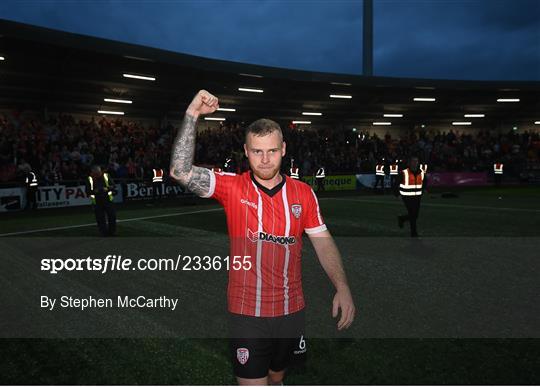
{"points": [[459, 39], [478, 39]]}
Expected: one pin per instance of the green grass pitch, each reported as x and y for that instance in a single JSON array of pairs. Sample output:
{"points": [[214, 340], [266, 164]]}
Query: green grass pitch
{"points": [[482, 212]]}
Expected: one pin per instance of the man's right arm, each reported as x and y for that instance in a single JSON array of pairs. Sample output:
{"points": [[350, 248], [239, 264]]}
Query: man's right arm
{"points": [[195, 179]]}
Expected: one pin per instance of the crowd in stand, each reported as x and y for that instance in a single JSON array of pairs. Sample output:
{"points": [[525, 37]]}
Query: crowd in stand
{"points": [[62, 148]]}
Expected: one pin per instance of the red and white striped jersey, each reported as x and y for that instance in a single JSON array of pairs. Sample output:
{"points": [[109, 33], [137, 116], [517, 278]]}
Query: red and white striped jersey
{"points": [[266, 225]]}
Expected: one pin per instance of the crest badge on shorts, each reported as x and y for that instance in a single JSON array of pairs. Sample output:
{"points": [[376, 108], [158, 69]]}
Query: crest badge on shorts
{"points": [[296, 209], [242, 354]]}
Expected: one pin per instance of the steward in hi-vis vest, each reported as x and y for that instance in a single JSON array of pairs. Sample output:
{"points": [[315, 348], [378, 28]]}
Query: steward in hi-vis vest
{"points": [[99, 188], [319, 177], [31, 182], [158, 189], [394, 172], [294, 171], [498, 173], [379, 175], [158, 176], [411, 185]]}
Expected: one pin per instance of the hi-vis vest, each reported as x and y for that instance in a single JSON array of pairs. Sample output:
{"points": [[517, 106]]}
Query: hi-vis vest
{"points": [[109, 193], [218, 170], [294, 172], [498, 168], [32, 182], [393, 169], [320, 174], [411, 184], [423, 168], [158, 176], [379, 170]]}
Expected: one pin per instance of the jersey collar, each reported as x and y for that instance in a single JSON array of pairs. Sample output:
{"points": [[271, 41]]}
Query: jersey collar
{"points": [[272, 191]]}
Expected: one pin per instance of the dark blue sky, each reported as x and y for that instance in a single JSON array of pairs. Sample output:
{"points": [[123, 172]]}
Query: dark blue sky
{"points": [[454, 39]]}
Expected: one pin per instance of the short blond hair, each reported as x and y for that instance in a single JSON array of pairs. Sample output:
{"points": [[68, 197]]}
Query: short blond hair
{"points": [[262, 127]]}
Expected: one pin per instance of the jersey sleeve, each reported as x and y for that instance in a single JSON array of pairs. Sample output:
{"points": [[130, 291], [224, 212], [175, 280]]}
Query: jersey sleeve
{"points": [[314, 222], [220, 185]]}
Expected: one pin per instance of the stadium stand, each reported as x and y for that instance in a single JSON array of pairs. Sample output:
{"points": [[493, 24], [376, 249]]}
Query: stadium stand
{"points": [[63, 148]]}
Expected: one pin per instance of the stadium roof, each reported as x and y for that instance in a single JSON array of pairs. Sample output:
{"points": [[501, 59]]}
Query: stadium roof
{"points": [[74, 73]]}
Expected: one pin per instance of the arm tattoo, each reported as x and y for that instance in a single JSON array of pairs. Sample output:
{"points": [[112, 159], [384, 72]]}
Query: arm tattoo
{"points": [[196, 179], [184, 148], [199, 181]]}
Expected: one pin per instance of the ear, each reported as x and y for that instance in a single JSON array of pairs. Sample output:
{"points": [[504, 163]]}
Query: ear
{"points": [[246, 150], [283, 148]]}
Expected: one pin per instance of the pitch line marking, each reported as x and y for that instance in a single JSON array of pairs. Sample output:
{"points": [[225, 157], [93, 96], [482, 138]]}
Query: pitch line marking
{"points": [[438, 205], [118, 221]]}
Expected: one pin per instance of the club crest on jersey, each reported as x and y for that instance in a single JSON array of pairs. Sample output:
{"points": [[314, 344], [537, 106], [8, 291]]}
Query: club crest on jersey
{"points": [[256, 236], [296, 210], [242, 354]]}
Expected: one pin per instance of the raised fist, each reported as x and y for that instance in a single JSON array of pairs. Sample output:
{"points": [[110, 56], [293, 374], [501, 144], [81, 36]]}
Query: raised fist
{"points": [[203, 103]]}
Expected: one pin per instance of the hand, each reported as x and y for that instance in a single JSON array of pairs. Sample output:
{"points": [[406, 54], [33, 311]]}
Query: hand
{"points": [[343, 300], [203, 103]]}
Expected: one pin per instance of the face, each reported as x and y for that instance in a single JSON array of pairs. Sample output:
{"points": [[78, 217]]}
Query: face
{"points": [[264, 154], [413, 163]]}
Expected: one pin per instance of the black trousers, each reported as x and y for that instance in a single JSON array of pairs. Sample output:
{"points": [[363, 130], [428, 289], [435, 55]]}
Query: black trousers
{"points": [[31, 202], [320, 184], [157, 190], [379, 179], [498, 179], [393, 180], [105, 217], [412, 203]]}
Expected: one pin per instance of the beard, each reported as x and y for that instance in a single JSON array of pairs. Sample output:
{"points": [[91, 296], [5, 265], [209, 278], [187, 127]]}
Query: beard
{"points": [[266, 173]]}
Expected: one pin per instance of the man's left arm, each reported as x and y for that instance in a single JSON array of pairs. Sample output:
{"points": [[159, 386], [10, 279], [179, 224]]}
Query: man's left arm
{"points": [[330, 260]]}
